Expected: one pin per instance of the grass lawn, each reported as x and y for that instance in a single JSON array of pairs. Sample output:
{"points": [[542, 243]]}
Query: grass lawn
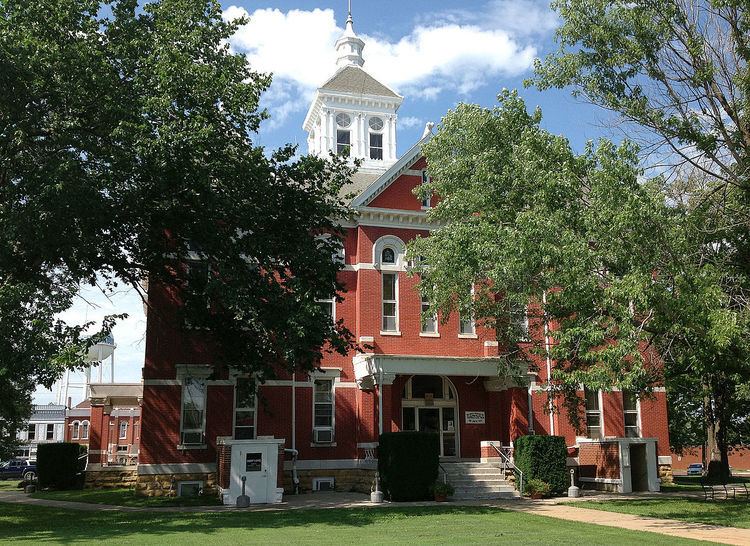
{"points": [[123, 497], [393, 525], [9, 485], [727, 513]]}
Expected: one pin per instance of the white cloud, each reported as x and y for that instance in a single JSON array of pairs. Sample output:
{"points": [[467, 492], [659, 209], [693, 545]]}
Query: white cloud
{"points": [[408, 122], [457, 52]]}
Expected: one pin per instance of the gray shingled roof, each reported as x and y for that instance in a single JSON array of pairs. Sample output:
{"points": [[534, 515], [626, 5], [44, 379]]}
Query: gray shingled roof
{"points": [[352, 79], [360, 182]]}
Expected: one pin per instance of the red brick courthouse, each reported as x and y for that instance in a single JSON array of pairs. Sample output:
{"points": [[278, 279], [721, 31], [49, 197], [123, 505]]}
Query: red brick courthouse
{"points": [[421, 375]]}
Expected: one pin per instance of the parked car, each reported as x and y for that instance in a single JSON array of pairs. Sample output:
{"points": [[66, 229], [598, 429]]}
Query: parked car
{"points": [[695, 469], [17, 469]]}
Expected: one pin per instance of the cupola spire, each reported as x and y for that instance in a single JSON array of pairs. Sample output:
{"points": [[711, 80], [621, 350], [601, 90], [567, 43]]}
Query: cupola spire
{"points": [[349, 47]]}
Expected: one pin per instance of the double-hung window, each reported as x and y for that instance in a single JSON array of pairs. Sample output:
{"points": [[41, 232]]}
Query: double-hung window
{"points": [[593, 414], [32, 432], [376, 138], [85, 430], [193, 412], [429, 321], [328, 306], [520, 324], [50, 431], [630, 414], [76, 430], [244, 410], [343, 134], [426, 201], [323, 411], [123, 429], [390, 302], [466, 324]]}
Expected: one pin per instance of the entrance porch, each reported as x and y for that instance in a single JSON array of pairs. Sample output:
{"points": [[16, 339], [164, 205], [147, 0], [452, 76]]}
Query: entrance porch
{"points": [[464, 400]]}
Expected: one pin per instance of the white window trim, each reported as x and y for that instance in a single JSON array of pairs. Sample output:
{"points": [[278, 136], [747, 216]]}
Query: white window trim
{"points": [[428, 200], [332, 375], [370, 147], [199, 483], [638, 417], [123, 436], [75, 430], [472, 319], [85, 425], [399, 249], [600, 411], [332, 301], [395, 301], [202, 445], [348, 131], [422, 332], [234, 412]]}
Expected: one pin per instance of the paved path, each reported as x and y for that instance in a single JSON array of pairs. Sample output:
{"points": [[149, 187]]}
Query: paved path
{"points": [[670, 527], [550, 508]]}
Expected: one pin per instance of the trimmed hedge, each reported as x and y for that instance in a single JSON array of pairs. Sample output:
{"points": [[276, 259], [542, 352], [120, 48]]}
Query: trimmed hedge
{"points": [[408, 464], [543, 458], [58, 465]]}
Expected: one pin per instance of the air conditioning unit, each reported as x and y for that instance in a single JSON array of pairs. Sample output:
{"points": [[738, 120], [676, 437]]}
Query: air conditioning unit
{"points": [[322, 436]]}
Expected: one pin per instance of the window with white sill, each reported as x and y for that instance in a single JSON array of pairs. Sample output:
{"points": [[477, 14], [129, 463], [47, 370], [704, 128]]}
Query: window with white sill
{"points": [[429, 320], [323, 411], [390, 302], [630, 405], [193, 423], [244, 409], [593, 415]]}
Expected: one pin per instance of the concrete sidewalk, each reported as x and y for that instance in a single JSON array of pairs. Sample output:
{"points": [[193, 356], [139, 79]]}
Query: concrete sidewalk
{"points": [[552, 508]]}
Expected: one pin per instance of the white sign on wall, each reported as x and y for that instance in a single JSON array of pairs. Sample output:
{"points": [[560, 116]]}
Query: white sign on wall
{"points": [[474, 417]]}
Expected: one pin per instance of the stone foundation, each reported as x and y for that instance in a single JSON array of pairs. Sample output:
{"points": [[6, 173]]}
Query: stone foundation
{"points": [[110, 477], [350, 479], [665, 473], [166, 485]]}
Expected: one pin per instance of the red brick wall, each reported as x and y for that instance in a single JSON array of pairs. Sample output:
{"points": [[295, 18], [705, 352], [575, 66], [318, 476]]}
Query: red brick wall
{"points": [[654, 422], [739, 458], [599, 460]]}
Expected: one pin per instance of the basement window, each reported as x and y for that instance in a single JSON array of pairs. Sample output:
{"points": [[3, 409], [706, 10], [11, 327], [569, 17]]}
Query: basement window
{"points": [[189, 489]]}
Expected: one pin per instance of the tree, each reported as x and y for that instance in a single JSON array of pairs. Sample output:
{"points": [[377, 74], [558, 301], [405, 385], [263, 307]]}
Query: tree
{"points": [[126, 150], [676, 71], [597, 251]]}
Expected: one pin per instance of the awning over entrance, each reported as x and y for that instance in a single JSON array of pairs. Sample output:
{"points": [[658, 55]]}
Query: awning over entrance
{"points": [[372, 369]]}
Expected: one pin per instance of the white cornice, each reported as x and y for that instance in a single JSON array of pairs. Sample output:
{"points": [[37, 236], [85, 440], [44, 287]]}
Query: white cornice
{"points": [[391, 218]]}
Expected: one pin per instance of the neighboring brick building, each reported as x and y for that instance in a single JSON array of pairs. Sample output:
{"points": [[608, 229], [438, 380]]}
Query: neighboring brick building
{"points": [[108, 423], [420, 375]]}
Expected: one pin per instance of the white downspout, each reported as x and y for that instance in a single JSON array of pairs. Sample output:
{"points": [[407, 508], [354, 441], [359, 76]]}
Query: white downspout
{"points": [[549, 367]]}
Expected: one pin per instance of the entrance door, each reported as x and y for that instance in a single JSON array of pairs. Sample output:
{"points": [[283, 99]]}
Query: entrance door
{"points": [[257, 464], [638, 467], [440, 421]]}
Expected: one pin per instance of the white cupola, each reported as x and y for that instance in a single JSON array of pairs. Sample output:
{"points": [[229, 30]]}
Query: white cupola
{"points": [[353, 112], [349, 47]]}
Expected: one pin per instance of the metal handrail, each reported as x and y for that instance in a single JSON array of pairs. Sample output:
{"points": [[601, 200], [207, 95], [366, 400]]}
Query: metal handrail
{"points": [[507, 462], [445, 472]]}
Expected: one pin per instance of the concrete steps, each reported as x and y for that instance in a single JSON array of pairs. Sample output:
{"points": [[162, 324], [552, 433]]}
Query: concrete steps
{"points": [[472, 480]]}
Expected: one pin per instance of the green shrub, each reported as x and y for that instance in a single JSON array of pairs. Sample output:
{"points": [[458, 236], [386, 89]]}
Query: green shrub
{"points": [[534, 486], [543, 458], [58, 465], [408, 464], [442, 489]]}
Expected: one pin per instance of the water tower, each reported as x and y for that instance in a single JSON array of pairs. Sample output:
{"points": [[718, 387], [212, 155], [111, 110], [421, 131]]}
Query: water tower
{"points": [[75, 380]]}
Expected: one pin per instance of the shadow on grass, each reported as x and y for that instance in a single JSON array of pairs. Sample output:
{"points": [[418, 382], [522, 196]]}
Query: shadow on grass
{"points": [[726, 513], [42, 524]]}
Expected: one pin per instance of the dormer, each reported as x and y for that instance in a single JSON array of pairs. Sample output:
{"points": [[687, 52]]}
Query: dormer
{"points": [[353, 111]]}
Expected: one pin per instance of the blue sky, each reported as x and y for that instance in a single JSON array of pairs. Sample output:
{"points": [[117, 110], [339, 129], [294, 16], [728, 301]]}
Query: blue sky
{"points": [[436, 53]]}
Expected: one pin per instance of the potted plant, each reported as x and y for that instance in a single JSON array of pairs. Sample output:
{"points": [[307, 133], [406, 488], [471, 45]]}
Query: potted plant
{"points": [[442, 491], [537, 489]]}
